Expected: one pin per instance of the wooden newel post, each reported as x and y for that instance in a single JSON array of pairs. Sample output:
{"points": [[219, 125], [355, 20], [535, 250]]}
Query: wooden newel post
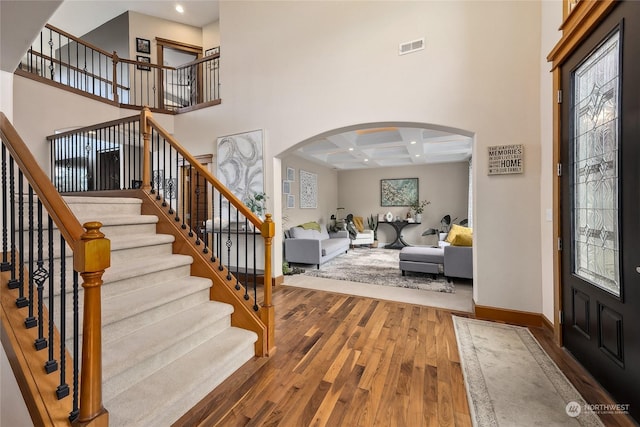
{"points": [[91, 257], [267, 313], [146, 158]]}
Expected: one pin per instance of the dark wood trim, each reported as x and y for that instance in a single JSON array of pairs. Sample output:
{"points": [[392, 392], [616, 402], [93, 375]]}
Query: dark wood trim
{"points": [[199, 106], [35, 77], [513, 317], [179, 45]]}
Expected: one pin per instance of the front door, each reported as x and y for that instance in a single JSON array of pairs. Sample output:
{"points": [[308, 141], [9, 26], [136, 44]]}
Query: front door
{"points": [[600, 204]]}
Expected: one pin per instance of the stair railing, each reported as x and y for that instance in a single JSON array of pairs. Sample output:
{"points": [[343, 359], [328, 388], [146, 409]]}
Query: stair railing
{"points": [[37, 282], [216, 225], [218, 222], [63, 60]]}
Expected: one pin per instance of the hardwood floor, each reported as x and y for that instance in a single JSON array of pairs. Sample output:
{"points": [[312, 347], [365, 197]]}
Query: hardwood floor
{"points": [[352, 361]]}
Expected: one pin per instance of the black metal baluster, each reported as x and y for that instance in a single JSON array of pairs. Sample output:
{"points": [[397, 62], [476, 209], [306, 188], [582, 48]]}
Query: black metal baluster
{"points": [[186, 183], [76, 348], [40, 276], [155, 137], [219, 245], [213, 225], [238, 235], [246, 258], [30, 321], [5, 265], [51, 365], [205, 235], [164, 164], [63, 389], [197, 209], [13, 282], [190, 177], [179, 189], [229, 242], [255, 276], [21, 301], [171, 190]]}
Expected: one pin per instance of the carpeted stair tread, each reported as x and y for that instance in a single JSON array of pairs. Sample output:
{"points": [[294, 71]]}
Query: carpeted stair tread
{"points": [[88, 200], [140, 300], [138, 267], [137, 355], [171, 391]]}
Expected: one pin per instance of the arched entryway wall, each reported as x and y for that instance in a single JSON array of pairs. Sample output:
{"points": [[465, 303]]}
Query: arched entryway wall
{"points": [[350, 161]]}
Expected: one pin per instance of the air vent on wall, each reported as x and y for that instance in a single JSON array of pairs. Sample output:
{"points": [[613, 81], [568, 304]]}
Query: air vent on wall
{"points": [[412, 46]]}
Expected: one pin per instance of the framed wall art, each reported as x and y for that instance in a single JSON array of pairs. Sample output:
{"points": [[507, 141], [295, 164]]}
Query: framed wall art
{"points": [[286, 187], [308, 190], [240, 163], [146, 59], [398, 192], [291, 174], [143, 45], [291, 201]]}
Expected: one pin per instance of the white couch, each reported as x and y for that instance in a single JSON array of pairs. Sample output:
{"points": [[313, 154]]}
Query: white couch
{"points": [[364, 237]]}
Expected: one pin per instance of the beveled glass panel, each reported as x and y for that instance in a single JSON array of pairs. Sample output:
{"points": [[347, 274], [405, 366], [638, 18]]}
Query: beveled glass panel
{"points": [[595, 167]]}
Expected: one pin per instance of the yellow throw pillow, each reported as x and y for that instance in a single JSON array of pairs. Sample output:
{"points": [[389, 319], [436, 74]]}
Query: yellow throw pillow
{"points": [[359, 223], [458, 229], [462, 240]]}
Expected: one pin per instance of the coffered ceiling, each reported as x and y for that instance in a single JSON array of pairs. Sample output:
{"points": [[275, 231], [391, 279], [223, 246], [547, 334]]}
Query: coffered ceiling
{"points": [[385, 147]]}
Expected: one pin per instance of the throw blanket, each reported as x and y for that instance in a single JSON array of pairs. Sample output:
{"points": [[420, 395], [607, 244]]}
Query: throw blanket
{"points": [[359, 223], [311, 226]]}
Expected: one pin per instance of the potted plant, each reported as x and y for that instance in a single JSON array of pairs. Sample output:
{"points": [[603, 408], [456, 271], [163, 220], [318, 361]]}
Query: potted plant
{"points": [[256, 204], [372, 221], [418, 208]]}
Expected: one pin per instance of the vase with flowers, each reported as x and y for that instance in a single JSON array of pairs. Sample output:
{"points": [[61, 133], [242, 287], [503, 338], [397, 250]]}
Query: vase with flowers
{"points": [[418, 207]]}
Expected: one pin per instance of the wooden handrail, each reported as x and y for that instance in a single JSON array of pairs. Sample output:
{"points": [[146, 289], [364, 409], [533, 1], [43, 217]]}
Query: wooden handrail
{"points": [[200, 60], [115, 122], [59, 211], [267, 228], [146, 120], [78, 40], [57, 61]]}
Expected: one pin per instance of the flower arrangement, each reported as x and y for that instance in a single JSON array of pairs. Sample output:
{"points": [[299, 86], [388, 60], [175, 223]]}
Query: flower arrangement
{"points": [[418, 206], [256, 203]]}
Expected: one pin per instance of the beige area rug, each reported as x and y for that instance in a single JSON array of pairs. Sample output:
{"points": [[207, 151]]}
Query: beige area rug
{"points": [[378, 267], [511, 381]]}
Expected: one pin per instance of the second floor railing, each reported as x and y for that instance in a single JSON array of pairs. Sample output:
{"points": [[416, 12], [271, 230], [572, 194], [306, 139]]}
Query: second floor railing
{"points": [[67, 61]]}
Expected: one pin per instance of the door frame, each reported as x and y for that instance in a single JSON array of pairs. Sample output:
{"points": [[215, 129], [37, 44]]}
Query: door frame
{"points": [[185, 47], [580, 20]]}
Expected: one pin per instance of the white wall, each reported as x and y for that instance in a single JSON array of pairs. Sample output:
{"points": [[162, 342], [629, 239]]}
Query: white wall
{"points": [[283, 71], [550, 22], [327, 192], [444, 185], [10, 395]]}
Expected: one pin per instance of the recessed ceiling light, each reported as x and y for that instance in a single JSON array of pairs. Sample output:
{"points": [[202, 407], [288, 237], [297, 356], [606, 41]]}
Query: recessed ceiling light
{"points": [[366, 160], [179, 9], [412, 142], [350, 148], [417, 155]]}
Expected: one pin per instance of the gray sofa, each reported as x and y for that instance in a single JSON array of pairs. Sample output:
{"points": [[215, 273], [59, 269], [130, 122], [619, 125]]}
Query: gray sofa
{"points": [[456, 261], [304, 246]]}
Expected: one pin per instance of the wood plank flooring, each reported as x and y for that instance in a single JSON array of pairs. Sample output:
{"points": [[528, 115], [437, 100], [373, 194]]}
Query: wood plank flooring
{"points": [[350, 361]]}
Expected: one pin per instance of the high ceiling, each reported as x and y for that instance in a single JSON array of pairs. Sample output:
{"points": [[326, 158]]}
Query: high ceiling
{"points": [[78, 17], [385, 147], [358, 148]]}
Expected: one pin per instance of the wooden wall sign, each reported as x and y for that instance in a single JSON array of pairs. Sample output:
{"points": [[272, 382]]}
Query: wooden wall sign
{"points": [[506, 159]]}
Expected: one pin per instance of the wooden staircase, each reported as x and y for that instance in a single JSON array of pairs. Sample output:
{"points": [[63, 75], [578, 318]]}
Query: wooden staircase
{"points": [[165, 344]]}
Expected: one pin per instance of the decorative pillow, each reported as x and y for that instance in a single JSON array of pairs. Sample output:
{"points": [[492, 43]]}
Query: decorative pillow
{"points": [[462, 240], [457, 229], [359, 223], [310, 226]]}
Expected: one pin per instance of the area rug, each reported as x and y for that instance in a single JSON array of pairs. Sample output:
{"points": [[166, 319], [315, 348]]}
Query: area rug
{"points": [[511, 381], [378, 267]]}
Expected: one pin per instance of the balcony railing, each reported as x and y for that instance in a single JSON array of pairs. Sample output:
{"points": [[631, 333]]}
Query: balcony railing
{"points": [[61, 59]]}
